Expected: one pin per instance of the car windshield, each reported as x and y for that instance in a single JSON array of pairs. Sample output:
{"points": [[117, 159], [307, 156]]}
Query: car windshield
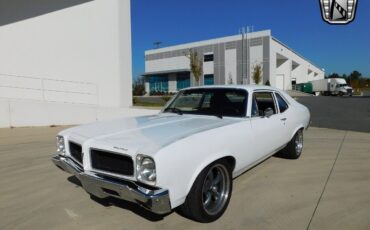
{"points": [[210, 101]]}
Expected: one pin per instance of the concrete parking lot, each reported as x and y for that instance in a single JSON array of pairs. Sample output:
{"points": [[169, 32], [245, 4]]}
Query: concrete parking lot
{"points": [[327, 188]]}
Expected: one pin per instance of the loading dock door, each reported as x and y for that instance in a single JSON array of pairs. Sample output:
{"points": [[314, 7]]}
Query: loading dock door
{"points": [[280, 81]]}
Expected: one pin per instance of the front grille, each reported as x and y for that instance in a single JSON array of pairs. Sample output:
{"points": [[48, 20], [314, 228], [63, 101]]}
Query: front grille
{"points": [[76, 151], [112, 162]]}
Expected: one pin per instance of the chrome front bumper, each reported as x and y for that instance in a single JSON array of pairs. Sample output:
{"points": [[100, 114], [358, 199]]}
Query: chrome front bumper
{"points": [[157, 201]]}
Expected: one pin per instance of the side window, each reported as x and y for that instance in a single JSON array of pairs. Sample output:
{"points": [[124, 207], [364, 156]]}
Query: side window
{"points": [[281, 103], [264, 101]]}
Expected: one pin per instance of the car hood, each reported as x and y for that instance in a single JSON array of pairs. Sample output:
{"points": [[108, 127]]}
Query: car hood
{"points": [[146, 134]]}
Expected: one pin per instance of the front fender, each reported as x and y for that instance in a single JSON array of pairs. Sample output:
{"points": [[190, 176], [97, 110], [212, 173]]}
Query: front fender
{"points": [[179, 179], [203, 165], [179, 163]]}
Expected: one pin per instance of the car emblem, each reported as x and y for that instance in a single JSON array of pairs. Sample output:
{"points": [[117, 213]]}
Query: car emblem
{"points": [[338, 11], [119, 148]]}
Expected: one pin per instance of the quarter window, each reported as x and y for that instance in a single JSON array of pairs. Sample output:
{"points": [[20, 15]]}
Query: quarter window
{"points": [[281, 103]]}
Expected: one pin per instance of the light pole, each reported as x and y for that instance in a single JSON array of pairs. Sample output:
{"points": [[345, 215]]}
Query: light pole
{"points": [[157, 44], [245, 31]]}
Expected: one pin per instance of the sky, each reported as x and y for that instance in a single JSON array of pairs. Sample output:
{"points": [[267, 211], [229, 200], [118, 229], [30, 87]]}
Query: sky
{"points": [[298, 24]]}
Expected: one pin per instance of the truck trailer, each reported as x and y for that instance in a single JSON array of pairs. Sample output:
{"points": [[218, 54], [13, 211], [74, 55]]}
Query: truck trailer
{"points": [[331, 86]]}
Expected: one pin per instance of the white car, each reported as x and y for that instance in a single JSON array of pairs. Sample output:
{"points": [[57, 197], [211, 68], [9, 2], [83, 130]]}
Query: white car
{"points": [[188, 154]]}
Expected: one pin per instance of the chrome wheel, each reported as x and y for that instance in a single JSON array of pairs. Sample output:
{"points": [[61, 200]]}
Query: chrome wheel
{"points": [[299, 142], [216, 189]]}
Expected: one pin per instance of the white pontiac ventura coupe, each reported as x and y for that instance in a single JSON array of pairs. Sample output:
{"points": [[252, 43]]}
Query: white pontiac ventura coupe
{"points": [[188, 154]]}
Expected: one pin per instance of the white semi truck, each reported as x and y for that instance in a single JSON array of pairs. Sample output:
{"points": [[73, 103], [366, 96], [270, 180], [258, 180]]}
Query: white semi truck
{"points": [[331, 86]]}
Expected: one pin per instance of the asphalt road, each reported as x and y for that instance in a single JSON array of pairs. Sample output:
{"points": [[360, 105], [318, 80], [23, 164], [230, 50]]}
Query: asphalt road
{"points": [[345, 113], [327, 188]]}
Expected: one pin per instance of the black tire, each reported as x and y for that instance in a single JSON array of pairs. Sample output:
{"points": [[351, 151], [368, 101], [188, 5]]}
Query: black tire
{"points": [[194, 206], [292, 151]]}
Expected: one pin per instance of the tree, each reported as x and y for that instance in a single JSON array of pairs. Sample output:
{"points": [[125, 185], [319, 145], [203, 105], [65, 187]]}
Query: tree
{"points": [[138, 88], [334, 75], [354, 79], [355, 75], [257, 74], [196, 65], [345, 77]]}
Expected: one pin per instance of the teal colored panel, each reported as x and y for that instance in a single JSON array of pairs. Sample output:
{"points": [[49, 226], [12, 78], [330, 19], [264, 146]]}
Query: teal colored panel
{"points": [[158, 83], [183, 82], [208, 79]]}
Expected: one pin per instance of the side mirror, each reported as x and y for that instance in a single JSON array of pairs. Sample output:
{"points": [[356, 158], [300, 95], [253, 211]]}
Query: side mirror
{"points": [[268, 112]]}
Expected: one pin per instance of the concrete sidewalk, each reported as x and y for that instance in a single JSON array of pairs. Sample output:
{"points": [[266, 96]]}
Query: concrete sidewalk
{"points": [[327, 188]]}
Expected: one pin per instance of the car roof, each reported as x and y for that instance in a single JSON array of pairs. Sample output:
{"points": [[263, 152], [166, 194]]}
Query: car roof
{"points": [[245, 87]]}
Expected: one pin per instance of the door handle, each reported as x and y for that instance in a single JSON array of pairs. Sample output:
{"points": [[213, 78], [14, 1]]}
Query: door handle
{"points": [[283, 119]]}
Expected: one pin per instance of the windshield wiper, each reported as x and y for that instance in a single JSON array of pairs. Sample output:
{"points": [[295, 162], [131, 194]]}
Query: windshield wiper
{"points": [[174, 110], [219, 115]]}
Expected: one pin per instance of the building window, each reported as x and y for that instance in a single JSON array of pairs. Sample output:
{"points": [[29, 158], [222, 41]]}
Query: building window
{"points": [[183, 81], [208, 79], [208, 57], [158, 83]]}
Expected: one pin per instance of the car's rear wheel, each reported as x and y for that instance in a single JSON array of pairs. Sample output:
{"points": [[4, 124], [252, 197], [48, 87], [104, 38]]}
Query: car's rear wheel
{"points": [[210, 193], [294, 148]]}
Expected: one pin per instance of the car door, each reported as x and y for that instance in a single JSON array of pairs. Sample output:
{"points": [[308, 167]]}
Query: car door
{"points": [[266, 127], [285, 117]]}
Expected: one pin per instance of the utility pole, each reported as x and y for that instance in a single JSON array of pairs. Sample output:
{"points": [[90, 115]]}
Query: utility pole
{"points": [[245, 60], [242, 31], [157, 44]]}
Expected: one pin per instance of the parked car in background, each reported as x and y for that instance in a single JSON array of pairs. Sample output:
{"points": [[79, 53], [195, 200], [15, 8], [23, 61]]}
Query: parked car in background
{"points": [[188, 154]]}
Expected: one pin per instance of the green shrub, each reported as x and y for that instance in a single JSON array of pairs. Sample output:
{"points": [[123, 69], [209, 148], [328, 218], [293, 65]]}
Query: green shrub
{"points": [[166, 98]]}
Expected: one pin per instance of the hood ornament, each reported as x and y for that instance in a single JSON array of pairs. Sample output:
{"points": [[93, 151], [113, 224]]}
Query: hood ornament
{"points": [[338, 11]]}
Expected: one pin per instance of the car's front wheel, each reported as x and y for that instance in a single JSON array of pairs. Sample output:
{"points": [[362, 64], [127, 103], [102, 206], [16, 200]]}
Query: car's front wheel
{"points": [[210, 193]]}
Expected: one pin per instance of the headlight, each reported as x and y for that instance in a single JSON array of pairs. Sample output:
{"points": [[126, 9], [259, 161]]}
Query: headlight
{"points": [[60, 145], [145, 169]]}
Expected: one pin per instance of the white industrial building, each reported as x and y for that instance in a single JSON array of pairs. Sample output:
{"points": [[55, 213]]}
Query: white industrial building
{"points": [[64, 61], [229, 60]]}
